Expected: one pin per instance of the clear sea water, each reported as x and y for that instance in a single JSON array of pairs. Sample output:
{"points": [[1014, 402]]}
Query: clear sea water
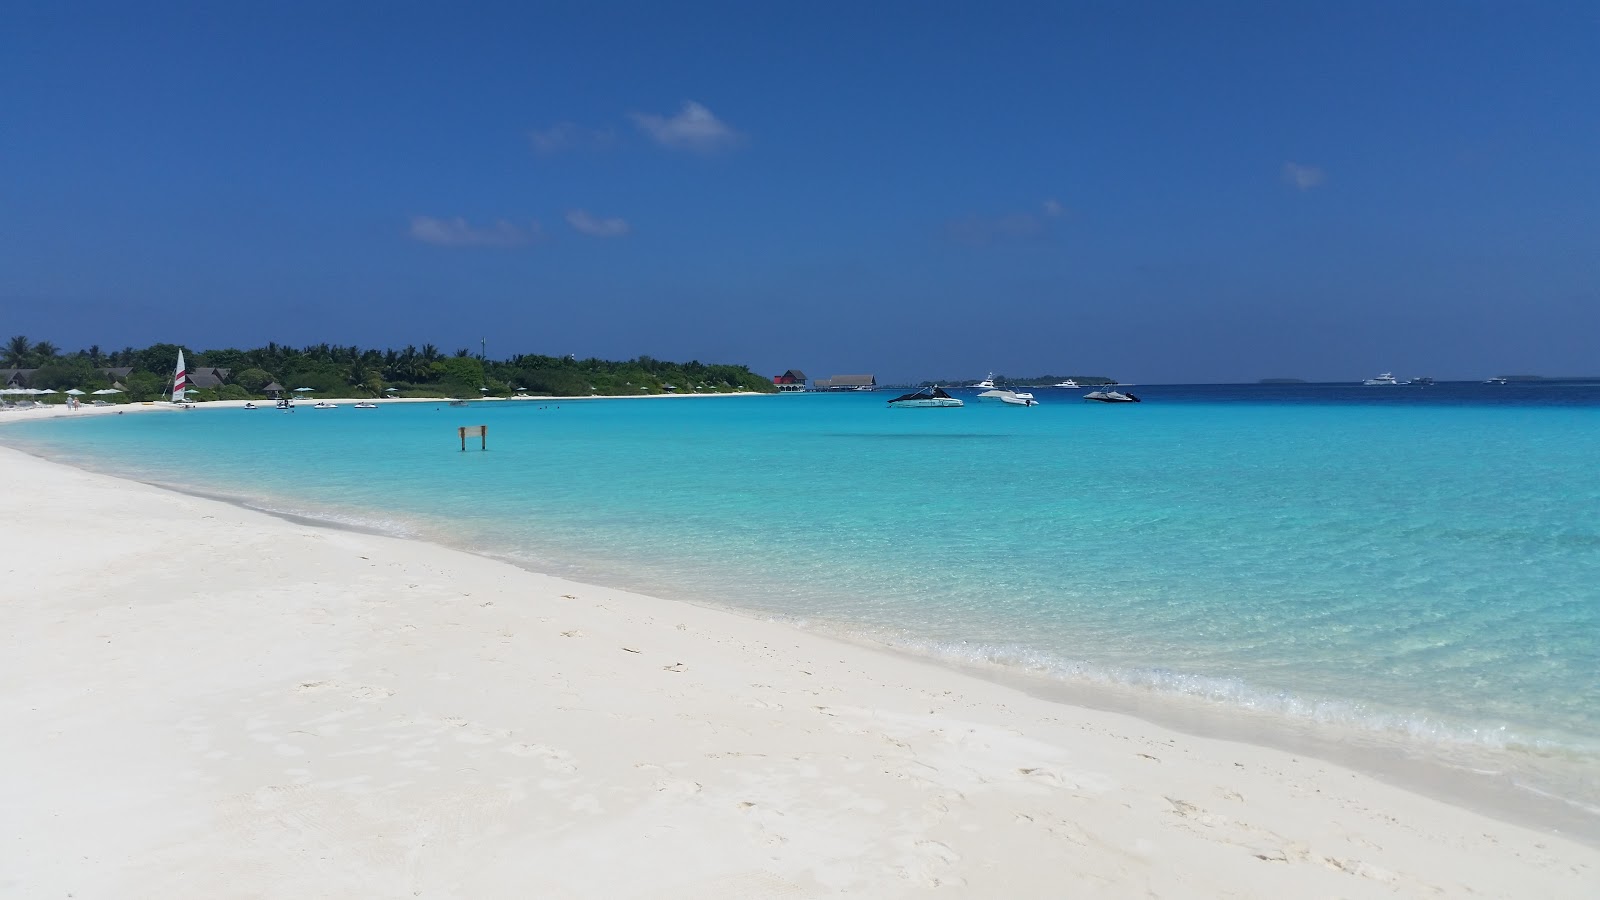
{"points": [[1412, 564]]}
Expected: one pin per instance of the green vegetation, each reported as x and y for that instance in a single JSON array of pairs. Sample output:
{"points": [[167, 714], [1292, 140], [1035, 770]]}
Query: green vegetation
{"points": [[1006, 381], [353, 371]]}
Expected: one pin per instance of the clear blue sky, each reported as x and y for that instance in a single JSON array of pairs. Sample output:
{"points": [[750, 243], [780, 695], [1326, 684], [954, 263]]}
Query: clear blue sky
{"points": [[1156, 191]]}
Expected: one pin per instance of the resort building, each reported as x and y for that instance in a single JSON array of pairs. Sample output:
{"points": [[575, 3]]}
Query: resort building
{"points": [[790, 382], [202, 377], [846, 383]]}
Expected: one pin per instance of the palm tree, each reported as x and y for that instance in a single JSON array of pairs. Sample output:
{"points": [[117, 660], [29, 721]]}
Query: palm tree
{"points": [[44, 350], [16, 351]]}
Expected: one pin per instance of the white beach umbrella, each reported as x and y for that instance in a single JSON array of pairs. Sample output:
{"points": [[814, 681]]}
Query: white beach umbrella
{"points": [[75, 393], [46, 391], [108, 391], [300, 390]]}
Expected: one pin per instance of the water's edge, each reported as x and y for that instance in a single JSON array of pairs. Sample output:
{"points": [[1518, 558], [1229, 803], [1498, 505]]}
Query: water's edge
{"points": [[1469, 779]]}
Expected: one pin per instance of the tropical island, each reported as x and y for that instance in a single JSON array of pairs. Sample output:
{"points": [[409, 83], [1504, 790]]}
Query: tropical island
{"points": [[1007, 381], [141, 374]]}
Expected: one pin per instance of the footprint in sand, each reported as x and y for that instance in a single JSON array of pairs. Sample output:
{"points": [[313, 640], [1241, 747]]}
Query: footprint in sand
{"points": [[369, 693], [554, 760]]}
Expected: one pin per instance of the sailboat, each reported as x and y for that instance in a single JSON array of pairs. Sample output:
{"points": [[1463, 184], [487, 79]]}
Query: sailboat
{"points": [[180, 382]]}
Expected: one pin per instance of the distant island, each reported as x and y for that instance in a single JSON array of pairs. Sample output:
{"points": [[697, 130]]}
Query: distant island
{"points": [[1008, 381], [329, 370], [1282, 381]]}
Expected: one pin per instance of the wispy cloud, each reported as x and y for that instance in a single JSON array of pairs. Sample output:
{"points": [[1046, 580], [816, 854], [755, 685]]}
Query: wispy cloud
{"points": [[457, 233], [1303, 177], [585, 223], [693, 128], [1016, 226], [566, 136]]}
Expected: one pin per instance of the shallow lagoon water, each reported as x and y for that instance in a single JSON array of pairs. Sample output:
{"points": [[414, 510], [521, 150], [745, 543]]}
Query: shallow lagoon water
{"points": [[1421, 564]]}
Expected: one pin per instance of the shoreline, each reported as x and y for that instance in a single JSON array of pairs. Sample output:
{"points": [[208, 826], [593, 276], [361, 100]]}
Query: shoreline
{"points": [[1484, 779], [907, 735], [60, 410]]}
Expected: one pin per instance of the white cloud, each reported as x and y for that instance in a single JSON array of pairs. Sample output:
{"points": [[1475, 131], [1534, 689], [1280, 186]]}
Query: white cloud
{"points": [[1017, 226], [564, 136], [457, 233], [1303, 177], [585, 223], [694, 128]]}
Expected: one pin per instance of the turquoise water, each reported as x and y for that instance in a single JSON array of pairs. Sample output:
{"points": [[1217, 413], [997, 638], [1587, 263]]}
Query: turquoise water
{"points": [[1425, 566]]}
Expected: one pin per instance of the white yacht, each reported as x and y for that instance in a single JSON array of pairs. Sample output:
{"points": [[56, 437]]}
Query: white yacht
{"points": [[1385, 378], [927, 398], [1069, 383], [984, 385]]}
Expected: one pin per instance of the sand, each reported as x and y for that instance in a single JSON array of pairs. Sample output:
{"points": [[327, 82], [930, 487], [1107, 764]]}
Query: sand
{"points": [[198, 700]]}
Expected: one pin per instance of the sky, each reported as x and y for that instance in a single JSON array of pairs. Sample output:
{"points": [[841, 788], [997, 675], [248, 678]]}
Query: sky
{"points": [[1158, 192]]}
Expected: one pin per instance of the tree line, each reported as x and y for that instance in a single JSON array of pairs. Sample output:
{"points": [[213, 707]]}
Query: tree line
{"points": [[335, 370]]}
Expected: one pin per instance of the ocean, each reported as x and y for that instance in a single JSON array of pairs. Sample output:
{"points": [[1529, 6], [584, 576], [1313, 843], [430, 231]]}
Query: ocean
{"points": [[1416, 568]]}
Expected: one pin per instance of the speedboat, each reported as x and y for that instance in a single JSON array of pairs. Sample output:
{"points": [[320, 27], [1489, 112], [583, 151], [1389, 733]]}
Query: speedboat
{"points": [[927, 398], [366, 404], [1423, 380], [1069, 383], [1015, 398], [1111, 397], [986, 384], [323, 404], [249, 406], [1495, 380], [1385, 378]]}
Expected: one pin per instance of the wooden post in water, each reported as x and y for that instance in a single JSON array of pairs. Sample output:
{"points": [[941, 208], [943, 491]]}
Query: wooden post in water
{"points": [[481, 432]]}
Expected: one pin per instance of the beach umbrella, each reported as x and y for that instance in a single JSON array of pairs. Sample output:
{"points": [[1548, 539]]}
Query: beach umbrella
{"points": [[391, 390], [108, 391], [299, 390], [484, 390], [75, 393]]}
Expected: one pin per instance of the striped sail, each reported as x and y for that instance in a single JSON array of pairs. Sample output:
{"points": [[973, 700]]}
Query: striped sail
{"points": [[179, 382]]}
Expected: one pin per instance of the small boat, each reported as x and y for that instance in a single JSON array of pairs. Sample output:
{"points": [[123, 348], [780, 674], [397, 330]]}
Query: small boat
{"points": [[1385, 378], [1111, 397], [366, 404], [249, 406], [1495, 380], [1422, 380], [458, 403], [1015, 398], [927, 398], [1069, 383], [323, 404]]}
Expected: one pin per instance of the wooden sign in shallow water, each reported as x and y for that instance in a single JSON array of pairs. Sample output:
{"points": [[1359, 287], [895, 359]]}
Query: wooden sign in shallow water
{"points": [[481, 432]]}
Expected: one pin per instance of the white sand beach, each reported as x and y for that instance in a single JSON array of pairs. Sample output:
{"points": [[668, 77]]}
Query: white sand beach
{"points": [[202, 701]]}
